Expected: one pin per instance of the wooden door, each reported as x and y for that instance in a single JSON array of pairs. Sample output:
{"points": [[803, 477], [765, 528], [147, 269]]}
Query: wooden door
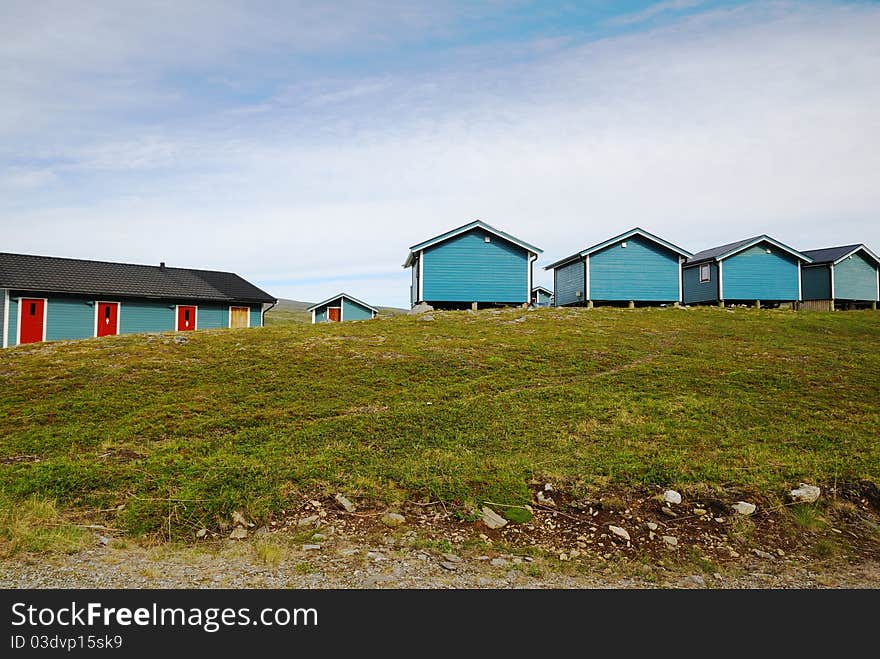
{"points": [[108, 318], [239, 317], [186, 319], [33, 313], [334, 314]]}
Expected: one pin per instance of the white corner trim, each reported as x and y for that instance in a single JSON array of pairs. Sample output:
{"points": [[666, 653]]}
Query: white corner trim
{"points": [[421, 291], [720, 280], [6, 318], [831, 268], [800, 292], [680, 281], [313, 316], [588, 285], [341, 309]]}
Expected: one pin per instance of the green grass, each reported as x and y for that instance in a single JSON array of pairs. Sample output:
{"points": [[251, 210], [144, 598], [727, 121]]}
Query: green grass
{"points": [[464, 409], [32, 525]]}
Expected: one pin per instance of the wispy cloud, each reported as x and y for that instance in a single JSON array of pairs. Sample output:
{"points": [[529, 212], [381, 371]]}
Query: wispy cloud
{"points": [[665, 7]]}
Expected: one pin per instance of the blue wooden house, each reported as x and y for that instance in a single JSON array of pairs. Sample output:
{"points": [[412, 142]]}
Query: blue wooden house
{"points": [[541, 296], [848, 274], [50, 299], [340, 308], [635, 266], [758, 269], [473, 265]]}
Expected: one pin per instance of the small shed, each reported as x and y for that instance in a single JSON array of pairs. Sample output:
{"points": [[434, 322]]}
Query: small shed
{"points": [[48, 298], [340, 308], [759, 269], [849, 274], [542, 297], [635, 266], [474, 264]]}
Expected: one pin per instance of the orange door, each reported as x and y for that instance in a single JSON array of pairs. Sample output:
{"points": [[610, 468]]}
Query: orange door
{"points": [[186, 319], [238, 317], [108, 318], [333, 313], [32, 324]]}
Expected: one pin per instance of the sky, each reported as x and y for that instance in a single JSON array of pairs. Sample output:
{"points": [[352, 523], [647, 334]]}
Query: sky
{"points": [[307, 145]]}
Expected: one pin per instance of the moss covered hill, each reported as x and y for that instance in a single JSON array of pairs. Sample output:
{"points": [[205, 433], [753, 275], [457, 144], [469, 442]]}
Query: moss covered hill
{"points": [[176, 431]]}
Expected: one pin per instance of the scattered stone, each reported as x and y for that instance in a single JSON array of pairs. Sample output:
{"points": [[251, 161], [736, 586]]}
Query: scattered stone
{"points": [[104, 540], [671, 496], [393, 519], [238, 533], [201, 533], [492, 519], [806, 493], [734, 554], [375, 556], [668, 512], [238, 518], [421, 308], [619, 532], [343, 501], [696, 581], [547, 501], [780, 552], [700, 511], [449, 565], [548, 487], [311, 547], [670, 540], [452, 558], [744, 507], [652, 526], [498, 562], [307, 521], [763, 554], [427, 317]]}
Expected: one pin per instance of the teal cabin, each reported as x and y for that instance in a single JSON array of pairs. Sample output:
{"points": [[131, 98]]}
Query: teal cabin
{"points": [[847, 276], [473, 265], [634, 267], [52, 299], [755, 270], [542, 297], [340, 308]]}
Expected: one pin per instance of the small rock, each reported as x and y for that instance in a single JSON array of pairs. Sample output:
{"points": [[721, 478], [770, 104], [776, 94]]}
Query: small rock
{"points": [[201, 533], [307, 521], [449, 565], [733, 554], [547, 501], [670, 540], [428, 317], [498, 562], [344, 503], [695, 580], [652, 526], [238, 533], [317, 537], [311, 547], [619, 532], [452, 558], [668, 512], [700, 511], [763, 554], [375, 556], [806, 493], [744, 507], [548, 487], [238, 518], [104, 540], [780, 552], [492, 519], [393, 519], [671, 496], [421, 308]]}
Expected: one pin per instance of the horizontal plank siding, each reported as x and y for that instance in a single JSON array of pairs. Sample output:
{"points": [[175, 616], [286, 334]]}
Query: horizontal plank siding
{"points": [[569, 284], [816, 282], [13, 320], [695, 291], [146, 316], [213, 316], [754, 274], [256, 315], [353, 311], [855, 278], [70, 318], [321, 314], [642, 271], [466, 268]]}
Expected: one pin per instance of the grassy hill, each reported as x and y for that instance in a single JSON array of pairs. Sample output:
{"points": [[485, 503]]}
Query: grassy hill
{"points": [[287, 312], [167, 433]]}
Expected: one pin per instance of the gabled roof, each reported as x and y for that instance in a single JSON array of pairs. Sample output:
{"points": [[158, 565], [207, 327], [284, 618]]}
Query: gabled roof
{"points": [[725, 251], [339, 296], [628, 234], [835, 255], [542, 288], [61, 275], [464, 229]]}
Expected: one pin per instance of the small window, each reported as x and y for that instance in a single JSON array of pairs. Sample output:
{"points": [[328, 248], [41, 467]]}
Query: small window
{"points": [[186, 314], [705, 273], [33, 308], [107, 312]]}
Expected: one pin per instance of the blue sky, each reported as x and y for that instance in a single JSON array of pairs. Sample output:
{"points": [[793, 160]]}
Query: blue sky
{"points": [[307, 145]]}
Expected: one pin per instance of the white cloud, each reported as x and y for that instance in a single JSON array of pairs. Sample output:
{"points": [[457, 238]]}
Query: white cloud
{"points": [[669, 6]]}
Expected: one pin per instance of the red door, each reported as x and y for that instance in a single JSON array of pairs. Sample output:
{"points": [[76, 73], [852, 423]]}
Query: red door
{"points": [[333, 314], [186, 319], [108, 318], [32, 323]]}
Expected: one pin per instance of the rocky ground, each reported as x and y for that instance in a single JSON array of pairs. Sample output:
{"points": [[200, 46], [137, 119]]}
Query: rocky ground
{"points": [[656, 540]]}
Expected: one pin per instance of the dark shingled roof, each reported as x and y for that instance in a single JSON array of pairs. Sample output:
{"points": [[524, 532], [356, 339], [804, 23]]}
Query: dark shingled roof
{"points": [[830, 254], [709, 254], [59, 275]]}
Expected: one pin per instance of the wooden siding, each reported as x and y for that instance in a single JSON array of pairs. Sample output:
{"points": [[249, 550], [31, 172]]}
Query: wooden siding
{"points": [[3, 327], [256, 315], [543, 299], [642, 271], [754, 274], [816, 282], [69, 319], [855, 278], [569, 281], [696, 292], [353, 311], [13, 320], [469, 269], [814, 305]]}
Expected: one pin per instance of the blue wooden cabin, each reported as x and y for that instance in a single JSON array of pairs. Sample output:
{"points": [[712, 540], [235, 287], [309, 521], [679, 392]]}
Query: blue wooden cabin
{"points": [[635, 266], [541, 296], [473, 265], [51, 299], [341, 308], [848, 275], [755, 270]]}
